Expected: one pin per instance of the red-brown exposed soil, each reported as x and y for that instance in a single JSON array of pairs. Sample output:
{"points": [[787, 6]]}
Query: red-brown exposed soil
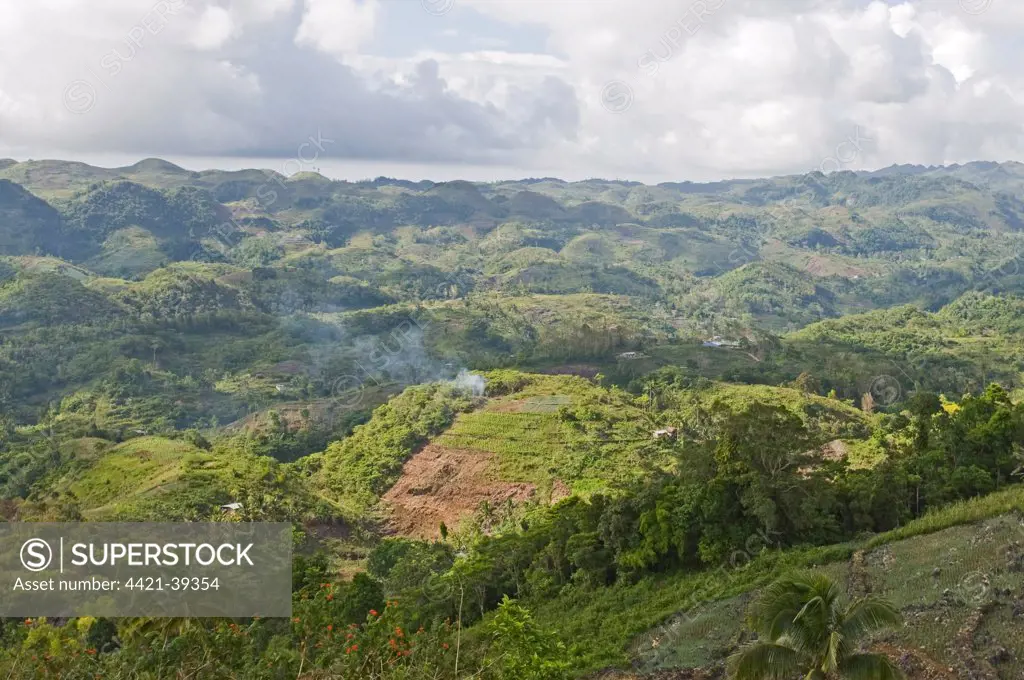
{"points": [[916, 664], [559, 490], [441, 484]]}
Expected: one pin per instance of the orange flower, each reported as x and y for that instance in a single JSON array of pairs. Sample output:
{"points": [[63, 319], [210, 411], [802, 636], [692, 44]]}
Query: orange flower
{"points": [[330, 626], [296, 619], [330, 597], [373, 612], [444, 645]]}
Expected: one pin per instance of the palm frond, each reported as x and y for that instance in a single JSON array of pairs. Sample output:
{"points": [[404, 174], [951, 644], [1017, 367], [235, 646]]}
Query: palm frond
{"points": [[764, 661], [812, 626], [869, 667], [778, 606], [838, 648], [869, 615], [814, 611]]}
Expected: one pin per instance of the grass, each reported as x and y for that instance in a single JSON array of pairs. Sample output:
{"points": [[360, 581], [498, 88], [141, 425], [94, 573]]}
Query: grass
{"points": [[150, 475], [128, 251], [1001, 629], [630, 614], [691, 641], [603, 438], [938, 579], [825, 419], [138, 467]]}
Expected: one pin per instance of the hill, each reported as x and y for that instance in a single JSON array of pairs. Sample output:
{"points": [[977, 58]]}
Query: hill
{"points": [[437, 454], [28, 224]]}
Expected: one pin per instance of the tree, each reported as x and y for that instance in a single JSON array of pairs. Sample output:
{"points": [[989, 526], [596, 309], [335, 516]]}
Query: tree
{"points": [[806, 383], [522, 649], [806, 630]]}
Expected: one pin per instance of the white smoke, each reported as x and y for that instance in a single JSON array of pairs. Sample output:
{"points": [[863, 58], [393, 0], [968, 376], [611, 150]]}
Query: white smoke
{"points": [[469, 382]]}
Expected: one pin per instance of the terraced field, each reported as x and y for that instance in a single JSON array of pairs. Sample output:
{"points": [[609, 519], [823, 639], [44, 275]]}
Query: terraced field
{"points": [[541, 438], [133, 477]]}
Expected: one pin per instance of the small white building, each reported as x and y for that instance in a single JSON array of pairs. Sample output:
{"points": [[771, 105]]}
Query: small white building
{"points": [[719, 341]]}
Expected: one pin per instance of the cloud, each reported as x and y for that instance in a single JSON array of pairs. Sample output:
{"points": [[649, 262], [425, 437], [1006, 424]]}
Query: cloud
{"points": [[203, 78], [338, 26], [698, 90], [214, 28]]}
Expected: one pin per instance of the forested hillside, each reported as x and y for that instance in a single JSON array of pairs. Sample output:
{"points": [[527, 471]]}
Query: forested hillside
{"points": [[531, 429]]}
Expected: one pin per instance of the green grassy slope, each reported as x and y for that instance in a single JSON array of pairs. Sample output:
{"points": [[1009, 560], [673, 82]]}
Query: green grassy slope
{"points": [[694, 620]]}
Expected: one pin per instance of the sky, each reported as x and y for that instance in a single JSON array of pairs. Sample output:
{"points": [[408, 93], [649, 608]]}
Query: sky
{"points": [[651, 90]]}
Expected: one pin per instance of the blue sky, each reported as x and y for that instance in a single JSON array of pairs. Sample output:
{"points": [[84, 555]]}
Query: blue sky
{"points": [[406, 29]]}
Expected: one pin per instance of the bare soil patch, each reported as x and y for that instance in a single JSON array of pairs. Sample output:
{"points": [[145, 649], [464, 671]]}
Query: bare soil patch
{"points": [[915, 663], [441, 484]]}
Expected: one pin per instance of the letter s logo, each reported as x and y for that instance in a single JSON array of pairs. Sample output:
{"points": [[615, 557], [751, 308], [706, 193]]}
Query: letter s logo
{"points": [[36, 554]]}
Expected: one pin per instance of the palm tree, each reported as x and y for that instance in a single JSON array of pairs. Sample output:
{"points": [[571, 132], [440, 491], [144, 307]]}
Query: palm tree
{"points": [[806, 631]]}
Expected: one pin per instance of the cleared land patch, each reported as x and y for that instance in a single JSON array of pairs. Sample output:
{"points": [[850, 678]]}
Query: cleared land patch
{"points": [[441, 484]]}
